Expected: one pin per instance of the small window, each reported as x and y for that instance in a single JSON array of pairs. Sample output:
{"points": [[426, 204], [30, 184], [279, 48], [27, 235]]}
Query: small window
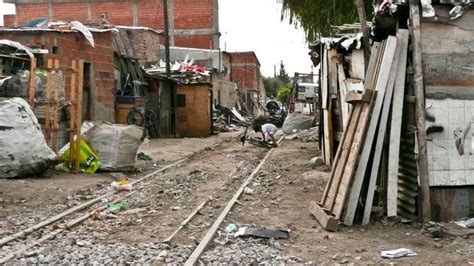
{"points": [[181, 101], [55, 49]]}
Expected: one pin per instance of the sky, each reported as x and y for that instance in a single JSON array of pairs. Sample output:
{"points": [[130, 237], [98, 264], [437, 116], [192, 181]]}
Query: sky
{"points": [[255, 25], [5, 9]]}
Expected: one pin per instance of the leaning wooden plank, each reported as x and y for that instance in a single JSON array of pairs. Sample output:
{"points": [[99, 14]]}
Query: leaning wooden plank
{"points": [[47, 114], [327, 221], [395, 127], [56, 84], [343, 90], [349, 168], [80, 88], [32, 85], [324, 80], [336, 161], [358, 179], [345, 152], [391, 55], [327, 136], [210, 233]]}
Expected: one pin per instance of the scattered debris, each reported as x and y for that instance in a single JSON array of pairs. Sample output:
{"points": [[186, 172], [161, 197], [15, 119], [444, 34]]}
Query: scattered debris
{"points": [[263, 233], [231, 228], [115, 208], [144, 157], [88, 159], [397, 253], [122, 185]]}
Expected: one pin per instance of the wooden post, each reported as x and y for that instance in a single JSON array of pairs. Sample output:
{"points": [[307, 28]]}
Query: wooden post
{"points": [[55, 126], [365, 31], [420, 111], [79, 113], [32, 88], [72, 113], [47, 112]]}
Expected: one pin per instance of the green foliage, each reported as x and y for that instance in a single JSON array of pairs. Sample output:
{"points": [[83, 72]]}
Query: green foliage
{"points": [[283, 75], [317, 16], [283, 94], [271, 85]]}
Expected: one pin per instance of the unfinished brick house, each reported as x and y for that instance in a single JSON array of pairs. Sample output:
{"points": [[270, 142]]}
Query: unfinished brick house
{"points": [[245, 71], [68, 45], [192, 23]]}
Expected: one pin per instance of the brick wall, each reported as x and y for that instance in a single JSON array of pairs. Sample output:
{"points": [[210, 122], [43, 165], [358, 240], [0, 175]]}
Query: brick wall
{"points": [[185, 16], [73, 46], [245, 70], [145, 43], [197, 41]]}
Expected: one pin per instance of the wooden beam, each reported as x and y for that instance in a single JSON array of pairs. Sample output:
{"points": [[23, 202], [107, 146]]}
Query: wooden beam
{"points": [[72, 114], [420, 112], [393, 53], [80, 84], [32, 87], [47, 114], [396, 127], [364, 28], [55, 106], [327, 221]]}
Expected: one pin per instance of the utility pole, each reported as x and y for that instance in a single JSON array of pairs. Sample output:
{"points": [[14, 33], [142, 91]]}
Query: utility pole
{"points": [[365, 30], [167, 38]]}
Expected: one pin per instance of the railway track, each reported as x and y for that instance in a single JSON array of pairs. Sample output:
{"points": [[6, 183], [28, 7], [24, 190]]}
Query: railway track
{"points": [[195, 224]]}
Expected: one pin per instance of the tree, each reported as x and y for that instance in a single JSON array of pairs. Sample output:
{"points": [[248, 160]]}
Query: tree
{"points": [[317, 16], [283, 76], [271, 85], [283, 94]]}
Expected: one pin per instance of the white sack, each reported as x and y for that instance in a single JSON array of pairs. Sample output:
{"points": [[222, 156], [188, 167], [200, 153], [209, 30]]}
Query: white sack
{"points": [[23, 149], [297, 121], [115, 144]]}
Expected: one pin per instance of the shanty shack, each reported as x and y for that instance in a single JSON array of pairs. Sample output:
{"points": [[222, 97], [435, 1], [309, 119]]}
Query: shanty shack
{"points": [[397, 129], [194, 110], [66, 45], [448, 74]]}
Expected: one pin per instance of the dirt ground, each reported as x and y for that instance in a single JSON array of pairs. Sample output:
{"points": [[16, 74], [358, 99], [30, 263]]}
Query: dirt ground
{"points": [[217, 166]]}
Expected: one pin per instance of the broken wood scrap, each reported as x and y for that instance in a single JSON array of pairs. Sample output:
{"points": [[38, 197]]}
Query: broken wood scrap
{"points": [[324, 217]]}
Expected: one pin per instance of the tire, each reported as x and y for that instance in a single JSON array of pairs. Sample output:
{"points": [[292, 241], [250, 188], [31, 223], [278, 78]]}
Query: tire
{"points": [[136, 118]]}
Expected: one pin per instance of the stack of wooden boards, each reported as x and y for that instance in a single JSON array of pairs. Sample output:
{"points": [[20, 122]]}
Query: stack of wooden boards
{"points": [[357, 164]]}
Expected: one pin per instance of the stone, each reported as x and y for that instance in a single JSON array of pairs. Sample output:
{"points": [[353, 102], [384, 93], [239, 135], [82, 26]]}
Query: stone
{"points": [[316, 161]]}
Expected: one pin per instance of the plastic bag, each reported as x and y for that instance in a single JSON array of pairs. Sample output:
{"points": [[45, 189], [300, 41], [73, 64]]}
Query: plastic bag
{"points": [[89, 161]]}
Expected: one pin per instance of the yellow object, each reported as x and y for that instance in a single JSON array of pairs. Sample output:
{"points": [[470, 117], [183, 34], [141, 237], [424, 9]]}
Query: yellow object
{"points": [[123, 182], [89, 161]]}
